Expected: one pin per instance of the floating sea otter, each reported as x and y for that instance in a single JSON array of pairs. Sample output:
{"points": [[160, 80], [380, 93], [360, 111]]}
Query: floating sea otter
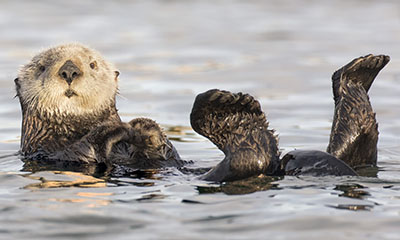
{"points": [[67, 95], [238, 127]]}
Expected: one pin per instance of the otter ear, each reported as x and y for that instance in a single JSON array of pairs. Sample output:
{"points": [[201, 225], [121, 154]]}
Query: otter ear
{"points": [[16, 81], [116, 75], [17, 85]]}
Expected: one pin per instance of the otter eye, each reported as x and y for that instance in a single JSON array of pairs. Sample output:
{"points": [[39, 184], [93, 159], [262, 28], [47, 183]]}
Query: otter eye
{"points": [[42, 68], [93, 65]]}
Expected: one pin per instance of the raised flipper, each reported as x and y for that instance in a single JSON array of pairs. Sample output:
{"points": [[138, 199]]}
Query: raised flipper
{"points": [[314, 163], [354, 133], [361, 71], [236, 124]]}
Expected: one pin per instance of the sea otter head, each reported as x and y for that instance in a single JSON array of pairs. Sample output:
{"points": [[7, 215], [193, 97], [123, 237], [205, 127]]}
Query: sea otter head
{"points": [[69, 79]]}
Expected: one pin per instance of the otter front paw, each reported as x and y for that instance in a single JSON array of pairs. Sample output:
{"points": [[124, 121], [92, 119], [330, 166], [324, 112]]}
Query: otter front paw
{"points": [[104, 137], [148, 138]]}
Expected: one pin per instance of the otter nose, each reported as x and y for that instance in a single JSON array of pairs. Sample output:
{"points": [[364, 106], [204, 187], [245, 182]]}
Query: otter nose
{"points": [[69, 71]]}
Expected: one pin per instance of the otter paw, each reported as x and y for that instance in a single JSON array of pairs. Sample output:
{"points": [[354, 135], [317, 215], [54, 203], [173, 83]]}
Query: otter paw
{"points": [[235, 123], [146, 133], [362, 70], [216, 112], [226, 101], [105, 136], [150, 142]]}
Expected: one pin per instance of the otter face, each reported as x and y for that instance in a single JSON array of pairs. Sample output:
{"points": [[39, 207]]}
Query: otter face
{"points": [[67, 79]]}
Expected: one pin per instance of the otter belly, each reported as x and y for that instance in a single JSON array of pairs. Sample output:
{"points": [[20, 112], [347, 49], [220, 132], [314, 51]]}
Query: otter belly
{"points": [[314, 163]]}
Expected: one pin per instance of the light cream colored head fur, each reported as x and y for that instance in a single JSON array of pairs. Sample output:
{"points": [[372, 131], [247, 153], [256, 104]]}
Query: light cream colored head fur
{"points": [[41, 88]]}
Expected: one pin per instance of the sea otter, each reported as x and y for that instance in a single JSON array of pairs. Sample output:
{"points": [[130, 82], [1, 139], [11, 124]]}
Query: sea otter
{"points": [[236, 124], [67, 95]]}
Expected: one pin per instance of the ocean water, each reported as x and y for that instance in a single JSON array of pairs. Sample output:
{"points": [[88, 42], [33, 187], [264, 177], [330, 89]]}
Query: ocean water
{"points": [[281, 51]]}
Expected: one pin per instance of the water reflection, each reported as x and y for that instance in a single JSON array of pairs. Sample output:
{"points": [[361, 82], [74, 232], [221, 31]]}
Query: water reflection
{"points": [[58, 179], [246, 186], [352, 191], [151, 197], [138, 178], [46, 165], [154, 174], [367, 171], [87, 200], [181, 134], [353, 207]]}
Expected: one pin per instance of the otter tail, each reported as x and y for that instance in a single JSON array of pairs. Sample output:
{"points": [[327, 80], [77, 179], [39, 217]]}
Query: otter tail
{"points": [[354, 133], [236, 124]]}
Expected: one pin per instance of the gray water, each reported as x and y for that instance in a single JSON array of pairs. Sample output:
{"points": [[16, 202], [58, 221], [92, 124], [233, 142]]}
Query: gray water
{"points": [[283, 52]]}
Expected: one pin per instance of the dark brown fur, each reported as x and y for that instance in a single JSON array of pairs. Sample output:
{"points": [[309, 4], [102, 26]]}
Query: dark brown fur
{"points": [[89, 134], [55, 133], [86, 129], [236, 124], [238, 127], [354, 134]]}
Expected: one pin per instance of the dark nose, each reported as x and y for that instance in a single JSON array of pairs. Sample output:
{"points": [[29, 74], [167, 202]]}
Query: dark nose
{"points": [[69, 71]]}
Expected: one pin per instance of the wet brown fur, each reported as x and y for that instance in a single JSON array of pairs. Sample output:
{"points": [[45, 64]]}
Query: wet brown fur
{"points": [[236, 124], [354, 134], [83, 127], [80, 131]]}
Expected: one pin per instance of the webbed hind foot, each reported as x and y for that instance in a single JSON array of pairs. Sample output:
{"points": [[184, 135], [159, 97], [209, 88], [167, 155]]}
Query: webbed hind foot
{"points": [[236, 124], [362, 70], [354, 133]]}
